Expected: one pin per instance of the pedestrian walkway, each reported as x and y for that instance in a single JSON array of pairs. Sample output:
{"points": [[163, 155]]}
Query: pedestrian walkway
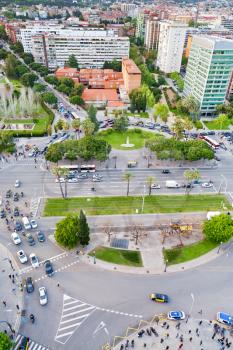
{"points": [[196, 334], [32, 345]]}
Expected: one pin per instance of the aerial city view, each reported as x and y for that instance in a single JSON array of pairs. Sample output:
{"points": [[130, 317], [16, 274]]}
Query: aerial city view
{"points": [[116, 175]]}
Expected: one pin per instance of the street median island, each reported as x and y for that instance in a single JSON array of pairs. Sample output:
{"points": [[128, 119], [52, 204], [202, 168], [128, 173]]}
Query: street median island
{"points": [[118, 256], [119, 205], [193, 251]]}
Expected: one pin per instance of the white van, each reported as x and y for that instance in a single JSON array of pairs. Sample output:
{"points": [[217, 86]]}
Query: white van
{"points": [[26, 223], [172, 184]]}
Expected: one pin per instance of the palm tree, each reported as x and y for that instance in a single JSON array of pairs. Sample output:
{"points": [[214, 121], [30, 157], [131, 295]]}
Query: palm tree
{"points": [[190, 175], [56, 171], [127, 177], [63, 173], [88, 127], [76, 123], [150, 180]]}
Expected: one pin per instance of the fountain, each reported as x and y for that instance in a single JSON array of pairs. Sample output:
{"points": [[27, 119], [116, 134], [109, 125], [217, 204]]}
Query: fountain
{"points": [[127, 144]]}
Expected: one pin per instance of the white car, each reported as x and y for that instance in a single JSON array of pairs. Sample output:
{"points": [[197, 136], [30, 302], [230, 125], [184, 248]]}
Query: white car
{"points": [[155, 186], [22, 256], [33, 223], [62, 179], [96, 179], [34, 260], [17, 183], [97, 176], [207, 185], [176, 315], [74, 180], [43, 296], [15, 238]]}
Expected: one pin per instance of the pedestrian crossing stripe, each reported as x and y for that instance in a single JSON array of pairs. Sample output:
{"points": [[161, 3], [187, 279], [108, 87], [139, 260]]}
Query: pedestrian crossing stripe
{"points": [[74, 313], [32, 345]]}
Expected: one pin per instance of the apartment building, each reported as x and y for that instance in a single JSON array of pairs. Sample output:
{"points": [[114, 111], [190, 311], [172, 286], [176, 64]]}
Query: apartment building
{"points": [[131, 75], [91, 47], [170, 46], [151, 39], [209, 71]]}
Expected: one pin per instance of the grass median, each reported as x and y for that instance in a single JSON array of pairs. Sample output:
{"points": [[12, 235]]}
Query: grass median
{"points": [[132, 204], [118, 256], [189, 252]]}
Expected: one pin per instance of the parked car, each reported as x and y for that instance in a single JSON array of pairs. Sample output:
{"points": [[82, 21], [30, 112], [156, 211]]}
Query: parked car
{"points": [[40, 236], [166, 171], [33, 223], [82, 176], [16, 197], [207, 184], [15, 238], [2, 214], [43, 296], [18, 226], [48, 268], [155, 187], [30, 240], [22, 256], [61, 179], [29, 285], [161, 298], [73, 180], [8, 194], [34, 260], [16, 211]]}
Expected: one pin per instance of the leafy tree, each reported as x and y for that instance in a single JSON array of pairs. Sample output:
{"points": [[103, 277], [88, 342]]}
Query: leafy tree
{"points": [[38, 87], [71, 155], [3, 34], [219, 228], [5, 342], [90, 147], [221, 120], [138, 99], [76, 100], [180, 125], [150, 180], [121, 123], [17, 47], [10, 66], [66, 233], [84, 231], [191, 106], [76, 123], [91, 112], [77, 90], [9, 14], [67, 82], [162, 111], [49, 130], [190, 175], [51, 79], [64, 89], [3, 54], [115, 65], [21, 69], [72, 62], [88, 127], [27, 57], [49, 97], [60, 125], [6, 142], [127, 177], [28, 79], [54, 153]]}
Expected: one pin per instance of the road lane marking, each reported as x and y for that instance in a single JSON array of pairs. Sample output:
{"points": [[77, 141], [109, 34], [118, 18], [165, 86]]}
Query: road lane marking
{"points": [[31, 346]]}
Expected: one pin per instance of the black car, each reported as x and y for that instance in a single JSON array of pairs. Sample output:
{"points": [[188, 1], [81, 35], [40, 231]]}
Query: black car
{"points": [[29, 285], [166, 171], [18, 226], [189, 185], [48, 268], [30, 240], [16, 212], [2, 214], [40, 236]]}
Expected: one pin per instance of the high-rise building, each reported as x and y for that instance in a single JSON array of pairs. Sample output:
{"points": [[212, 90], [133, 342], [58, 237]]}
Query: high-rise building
{"points": [[209, 70], [151, 39], [140, 26], [170, 47], [91, 47]]}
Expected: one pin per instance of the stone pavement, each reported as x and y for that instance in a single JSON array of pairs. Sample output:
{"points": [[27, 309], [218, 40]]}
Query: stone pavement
{"points": [[10, 292], [196, 334]]}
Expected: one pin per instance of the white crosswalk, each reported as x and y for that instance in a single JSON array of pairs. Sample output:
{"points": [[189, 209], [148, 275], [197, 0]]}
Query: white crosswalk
{"points": [[32, 345], [74, 313], [34, 205]]}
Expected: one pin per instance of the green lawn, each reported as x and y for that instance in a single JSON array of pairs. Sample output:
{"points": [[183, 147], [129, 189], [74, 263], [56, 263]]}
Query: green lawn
{"points": [[189, 252], [118, 256], [116, 138], [129, 205], [215, 125]]}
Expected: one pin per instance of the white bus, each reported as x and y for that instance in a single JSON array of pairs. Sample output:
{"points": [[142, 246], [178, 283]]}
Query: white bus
{"points": [[89, 168], [74, 115], [26, 223]]}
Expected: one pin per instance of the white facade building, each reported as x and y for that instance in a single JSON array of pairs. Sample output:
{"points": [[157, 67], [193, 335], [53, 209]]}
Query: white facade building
{"points": [[91, 47], [170, 47]]}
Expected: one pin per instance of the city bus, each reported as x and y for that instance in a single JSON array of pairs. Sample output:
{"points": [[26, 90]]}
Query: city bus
{"points": [[84, 168], [212, 143], [70, 167], [74, 115]]}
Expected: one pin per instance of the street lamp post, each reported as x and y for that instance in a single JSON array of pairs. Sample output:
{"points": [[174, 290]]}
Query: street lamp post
{"points": [[143, 197], [165, 266], [115, 158], [191, 307], [94, 257], [219, 248]]}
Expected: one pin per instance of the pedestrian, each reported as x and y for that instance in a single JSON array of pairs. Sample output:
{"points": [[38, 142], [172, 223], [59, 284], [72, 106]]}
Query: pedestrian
{"points": [[161, 340], [190, 339], [5, 331], [177, 336], [201, 342], [190, 331], [167, 347], [144, 345], [17, 307], [167, 326], [200, 323], [181, 346], [167, 335], [197, 330], [200, 312], [58, 285], [9, 276], [132, 343], [4, 303], [13, 290]]}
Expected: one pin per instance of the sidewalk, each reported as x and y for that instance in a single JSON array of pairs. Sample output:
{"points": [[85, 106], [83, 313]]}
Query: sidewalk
{"points": [[10, 292]]}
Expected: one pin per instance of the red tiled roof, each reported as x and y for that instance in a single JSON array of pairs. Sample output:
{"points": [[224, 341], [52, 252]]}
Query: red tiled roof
{"points": [[100, 95]]}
